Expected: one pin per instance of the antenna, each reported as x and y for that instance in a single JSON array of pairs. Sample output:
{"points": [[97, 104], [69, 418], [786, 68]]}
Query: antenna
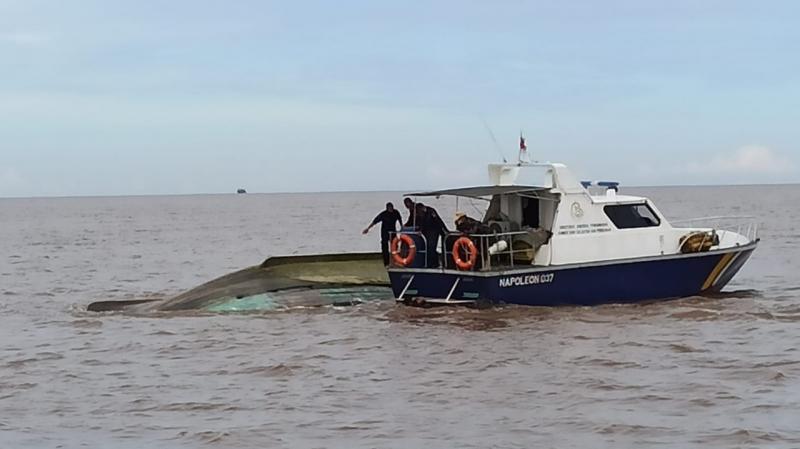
{"points": [[496, 145]]}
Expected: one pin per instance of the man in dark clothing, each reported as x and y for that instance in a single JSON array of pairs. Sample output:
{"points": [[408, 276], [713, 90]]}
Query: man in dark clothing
{"points": [[432, 227], [410, 206], [469, 225], [388, 220]]}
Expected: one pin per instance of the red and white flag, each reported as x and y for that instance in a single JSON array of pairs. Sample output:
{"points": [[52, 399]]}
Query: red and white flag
{"points": [[523, 150]]}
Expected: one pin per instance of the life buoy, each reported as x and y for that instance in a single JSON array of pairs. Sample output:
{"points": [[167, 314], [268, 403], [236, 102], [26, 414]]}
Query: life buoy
{"points": [[397, 243], [464, 243]]}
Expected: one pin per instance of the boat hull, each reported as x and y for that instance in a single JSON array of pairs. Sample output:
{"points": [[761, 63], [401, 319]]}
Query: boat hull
{"points": [[624, 281]]}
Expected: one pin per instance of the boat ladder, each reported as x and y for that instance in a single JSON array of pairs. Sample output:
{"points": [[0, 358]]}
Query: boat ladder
{"points": [[439, 301], [453, 289], [405, 289]]}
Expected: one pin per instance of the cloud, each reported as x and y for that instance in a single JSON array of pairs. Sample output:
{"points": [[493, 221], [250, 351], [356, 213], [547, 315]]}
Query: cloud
{"points": [[750, 159], [24, 39]]}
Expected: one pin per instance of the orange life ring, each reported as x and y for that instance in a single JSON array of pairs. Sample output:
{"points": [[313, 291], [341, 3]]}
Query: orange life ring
{"points": [[396, 246], [472, 253]]}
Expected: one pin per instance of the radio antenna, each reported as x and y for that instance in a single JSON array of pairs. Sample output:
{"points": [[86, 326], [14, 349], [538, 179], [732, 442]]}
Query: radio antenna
{"points": [[496, 145]]}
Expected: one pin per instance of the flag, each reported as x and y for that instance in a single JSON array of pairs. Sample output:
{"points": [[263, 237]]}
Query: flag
{"points": [[522, 146]]}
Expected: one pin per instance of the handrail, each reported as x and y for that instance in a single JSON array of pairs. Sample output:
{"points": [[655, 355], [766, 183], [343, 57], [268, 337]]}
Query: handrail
{"points": [[487, 257], [717, 217], [494, 234], [744, 225]]}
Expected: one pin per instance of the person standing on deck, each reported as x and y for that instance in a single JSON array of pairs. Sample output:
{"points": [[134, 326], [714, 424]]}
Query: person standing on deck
{"points": [[432, 227], [388, 220]]}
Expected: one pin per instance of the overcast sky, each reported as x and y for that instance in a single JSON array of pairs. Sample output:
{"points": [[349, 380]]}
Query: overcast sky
{"points": [[179, 96]]}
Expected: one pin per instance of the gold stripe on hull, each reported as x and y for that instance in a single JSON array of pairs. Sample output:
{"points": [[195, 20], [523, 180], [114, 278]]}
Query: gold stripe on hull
{"points": [[718, 269]]}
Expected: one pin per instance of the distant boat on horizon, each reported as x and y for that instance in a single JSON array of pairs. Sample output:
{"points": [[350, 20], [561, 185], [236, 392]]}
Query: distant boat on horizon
{"points": [[241, 191]]}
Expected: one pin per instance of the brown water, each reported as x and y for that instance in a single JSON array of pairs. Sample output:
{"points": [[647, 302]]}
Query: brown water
{"points": [[720, 372]]}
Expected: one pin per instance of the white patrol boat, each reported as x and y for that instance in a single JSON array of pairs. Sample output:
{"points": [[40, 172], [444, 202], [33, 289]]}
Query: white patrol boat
{"points": [[547, 239]]}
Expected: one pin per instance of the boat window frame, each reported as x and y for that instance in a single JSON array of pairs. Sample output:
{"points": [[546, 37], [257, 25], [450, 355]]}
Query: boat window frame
{"points": [[633, 205]]}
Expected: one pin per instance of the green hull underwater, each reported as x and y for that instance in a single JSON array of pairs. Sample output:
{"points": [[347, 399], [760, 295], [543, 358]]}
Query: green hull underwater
{"points": [[279, 282]]}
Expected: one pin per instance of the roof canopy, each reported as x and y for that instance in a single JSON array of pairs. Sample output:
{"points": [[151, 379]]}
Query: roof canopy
{"points": [[482, 191]]}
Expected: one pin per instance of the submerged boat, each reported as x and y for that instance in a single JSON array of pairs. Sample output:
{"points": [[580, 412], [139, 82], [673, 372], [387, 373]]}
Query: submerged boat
{"points": [[547, 239], [279, 283]]}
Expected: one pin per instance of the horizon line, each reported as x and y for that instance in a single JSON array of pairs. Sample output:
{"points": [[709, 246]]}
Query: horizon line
{"points": [[307, 192]]}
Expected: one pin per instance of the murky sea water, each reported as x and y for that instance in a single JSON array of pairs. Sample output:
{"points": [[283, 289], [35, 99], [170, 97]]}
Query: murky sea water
{"points": [[699, 372]]}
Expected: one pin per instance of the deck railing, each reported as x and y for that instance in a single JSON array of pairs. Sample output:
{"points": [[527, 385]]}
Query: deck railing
{"points": [[743, 225], [496, 249]]}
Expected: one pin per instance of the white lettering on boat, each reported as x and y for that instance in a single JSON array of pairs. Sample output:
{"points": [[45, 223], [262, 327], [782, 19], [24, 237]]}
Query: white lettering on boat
{"points": [[530, 279]]}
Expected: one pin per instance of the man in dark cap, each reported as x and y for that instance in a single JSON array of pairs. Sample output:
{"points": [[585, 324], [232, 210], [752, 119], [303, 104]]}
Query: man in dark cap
{"points": [[388, 220], [411, 210]]}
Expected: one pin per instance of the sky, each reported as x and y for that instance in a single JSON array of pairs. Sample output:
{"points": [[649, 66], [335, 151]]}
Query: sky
{"points": [[178, 97]]}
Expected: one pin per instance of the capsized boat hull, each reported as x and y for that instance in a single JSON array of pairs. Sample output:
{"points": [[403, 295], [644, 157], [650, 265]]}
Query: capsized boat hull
{"points": [[279, 282], [622, 281]]}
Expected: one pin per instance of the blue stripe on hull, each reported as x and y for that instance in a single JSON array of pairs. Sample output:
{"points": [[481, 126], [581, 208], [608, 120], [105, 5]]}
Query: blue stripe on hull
{"points": [[650, 279]]}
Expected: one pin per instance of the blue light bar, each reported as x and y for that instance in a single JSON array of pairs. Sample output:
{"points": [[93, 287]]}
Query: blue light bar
{"points": [[607, 184]]}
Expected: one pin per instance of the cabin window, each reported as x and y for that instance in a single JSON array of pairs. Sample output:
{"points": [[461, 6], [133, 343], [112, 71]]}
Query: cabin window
{"points": [[628, 216]]}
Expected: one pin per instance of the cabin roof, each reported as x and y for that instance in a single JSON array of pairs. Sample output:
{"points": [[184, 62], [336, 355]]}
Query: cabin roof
{"points": [[482, 191], [618, 199]]}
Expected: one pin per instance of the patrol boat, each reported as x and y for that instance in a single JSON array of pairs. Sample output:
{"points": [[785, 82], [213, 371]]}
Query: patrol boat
{"points": [[547, 239]]}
